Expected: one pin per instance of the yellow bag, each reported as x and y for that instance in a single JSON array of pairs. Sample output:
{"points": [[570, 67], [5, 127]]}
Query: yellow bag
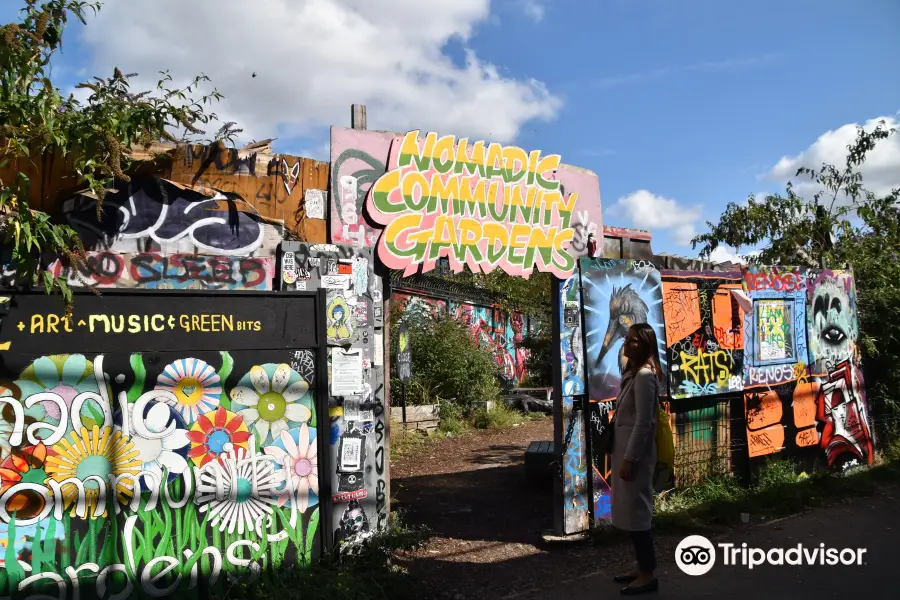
{"points": [[665, 452]]}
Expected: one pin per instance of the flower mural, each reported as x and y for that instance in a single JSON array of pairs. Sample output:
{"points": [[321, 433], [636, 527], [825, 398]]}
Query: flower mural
{"points": [[215, 434], [297, 466], [194, 383], [98, 452], [65, 375], [159, 450], [272, 395], [246, 494], [24, 466]]}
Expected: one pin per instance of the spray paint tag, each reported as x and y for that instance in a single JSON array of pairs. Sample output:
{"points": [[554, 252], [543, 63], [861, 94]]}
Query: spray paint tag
{"points": [[349, 188]]}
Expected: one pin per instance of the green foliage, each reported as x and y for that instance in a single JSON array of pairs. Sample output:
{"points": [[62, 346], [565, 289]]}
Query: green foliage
{"points": [[446, 363], [499, 416], [452, 418], [532, 297], [844, 224], [97, 136]]}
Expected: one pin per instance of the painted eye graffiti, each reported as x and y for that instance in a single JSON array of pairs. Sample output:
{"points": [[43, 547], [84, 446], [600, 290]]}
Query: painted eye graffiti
{"points": [[833, 335]]}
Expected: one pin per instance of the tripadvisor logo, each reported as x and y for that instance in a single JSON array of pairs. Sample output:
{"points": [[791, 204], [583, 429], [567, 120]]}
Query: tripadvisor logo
{"points": [[696, 555]]}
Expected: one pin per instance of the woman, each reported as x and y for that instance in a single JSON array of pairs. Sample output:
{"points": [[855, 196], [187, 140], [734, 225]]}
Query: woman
{"points": [[634, 454]]}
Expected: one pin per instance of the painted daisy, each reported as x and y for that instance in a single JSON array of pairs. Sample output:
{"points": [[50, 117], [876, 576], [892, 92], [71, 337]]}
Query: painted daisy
{"points": [[99, 452], [236, 507], [24, 466], [215, 434], [158, 453], [195, 384], [272, 395], [297, 466], [65, 375]]}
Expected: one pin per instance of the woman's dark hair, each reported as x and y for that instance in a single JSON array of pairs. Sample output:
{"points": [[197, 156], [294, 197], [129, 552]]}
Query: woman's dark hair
{"points": [[648, 350]]}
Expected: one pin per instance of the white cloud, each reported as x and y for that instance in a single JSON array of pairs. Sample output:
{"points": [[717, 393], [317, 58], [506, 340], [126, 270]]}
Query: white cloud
{"points": [[534, 9], [881, 170], [647, 210], [314, 58], [721, 254]]}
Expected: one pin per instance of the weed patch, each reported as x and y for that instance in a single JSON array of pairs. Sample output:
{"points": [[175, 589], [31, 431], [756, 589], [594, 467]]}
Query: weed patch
{"points": [[500, 416]]}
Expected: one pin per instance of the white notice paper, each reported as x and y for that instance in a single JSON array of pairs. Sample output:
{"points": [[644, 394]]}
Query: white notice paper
{"points": [[346, 372], [351, 454], [379, 350], [336, 282], [315, 204]]}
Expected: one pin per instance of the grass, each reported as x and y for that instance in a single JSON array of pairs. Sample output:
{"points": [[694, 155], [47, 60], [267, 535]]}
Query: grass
{"points": [[779, 491], [499, 416]]}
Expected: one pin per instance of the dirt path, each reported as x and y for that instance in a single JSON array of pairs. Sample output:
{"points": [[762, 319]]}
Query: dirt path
{"points": [[488, 521], [487, 518]]}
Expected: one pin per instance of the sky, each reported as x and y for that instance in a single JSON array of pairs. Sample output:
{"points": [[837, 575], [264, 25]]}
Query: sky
{"points": [[679, 106]]}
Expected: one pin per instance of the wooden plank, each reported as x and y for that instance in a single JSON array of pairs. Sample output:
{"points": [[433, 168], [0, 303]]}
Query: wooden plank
{"points": [[427, 412]]}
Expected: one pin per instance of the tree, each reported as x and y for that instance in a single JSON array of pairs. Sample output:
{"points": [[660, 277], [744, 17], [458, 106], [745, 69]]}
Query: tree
{"points": [[821, 233], [796, 231], [99, 135]]}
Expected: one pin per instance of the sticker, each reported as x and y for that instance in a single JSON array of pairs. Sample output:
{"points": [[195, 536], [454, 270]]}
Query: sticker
{"points": [[379, 350], [302, 275], [350, 496], [336, 282], [351, 453], [346, 372], [315, 204], [360, 275], [324, 248], [288, 268], [367, 416], [300, 286], [313, 261], [331, 267], [362, 313], [368, 428], [366, 359], [376, 295], [345, 269], [351, 409]]}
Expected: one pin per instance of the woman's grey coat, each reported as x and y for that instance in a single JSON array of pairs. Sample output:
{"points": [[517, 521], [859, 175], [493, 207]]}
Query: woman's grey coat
{"points": [[634, 439]]}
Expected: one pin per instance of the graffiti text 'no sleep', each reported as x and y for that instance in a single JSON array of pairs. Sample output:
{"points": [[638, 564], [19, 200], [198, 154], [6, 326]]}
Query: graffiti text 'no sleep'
{"points": [[178, 322]]}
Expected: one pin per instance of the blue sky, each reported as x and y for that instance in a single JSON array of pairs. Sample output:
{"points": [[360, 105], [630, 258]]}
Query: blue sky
{"points": [[692, 102]]}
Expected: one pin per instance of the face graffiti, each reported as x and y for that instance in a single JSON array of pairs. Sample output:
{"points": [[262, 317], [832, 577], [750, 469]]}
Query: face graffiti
{"points": [[229, 466]]}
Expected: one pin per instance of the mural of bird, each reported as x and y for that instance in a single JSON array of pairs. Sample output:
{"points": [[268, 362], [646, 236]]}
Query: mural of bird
{"points": [[625, 309]]}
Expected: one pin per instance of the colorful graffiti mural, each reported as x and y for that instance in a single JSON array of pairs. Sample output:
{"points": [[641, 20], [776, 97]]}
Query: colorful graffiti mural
{"points": [[493, 329], [149, 270], [704, 333], [616, 294], [155, 471], [801, 398], [482, 205]]}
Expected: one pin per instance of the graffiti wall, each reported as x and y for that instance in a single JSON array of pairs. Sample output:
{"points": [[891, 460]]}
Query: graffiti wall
{"points": [[572, 512], [178, 469], [804, 391], [704, 333], [151, 270], [617, 294], [357, 434], [482, 205]]}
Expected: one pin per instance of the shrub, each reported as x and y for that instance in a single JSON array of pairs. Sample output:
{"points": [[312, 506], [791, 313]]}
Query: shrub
{"points": [[500, 416], [446, 364]]}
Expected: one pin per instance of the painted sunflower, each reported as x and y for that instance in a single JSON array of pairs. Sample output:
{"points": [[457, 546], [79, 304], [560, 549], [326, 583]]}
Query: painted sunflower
{"points": [[194, 383], [99, 452], [239, 509], [24, 466], [215, 434], [272, 394]]}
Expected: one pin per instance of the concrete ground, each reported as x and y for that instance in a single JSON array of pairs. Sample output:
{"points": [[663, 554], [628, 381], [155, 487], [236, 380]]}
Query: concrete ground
{"points": [[872, 523]]}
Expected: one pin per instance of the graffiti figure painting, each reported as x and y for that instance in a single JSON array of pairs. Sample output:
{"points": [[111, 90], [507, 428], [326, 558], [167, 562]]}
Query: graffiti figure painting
{"points": [[617, 295]]}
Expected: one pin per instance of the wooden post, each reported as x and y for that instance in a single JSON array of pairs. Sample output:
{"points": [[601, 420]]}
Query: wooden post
{"points": [[358, 116]]}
